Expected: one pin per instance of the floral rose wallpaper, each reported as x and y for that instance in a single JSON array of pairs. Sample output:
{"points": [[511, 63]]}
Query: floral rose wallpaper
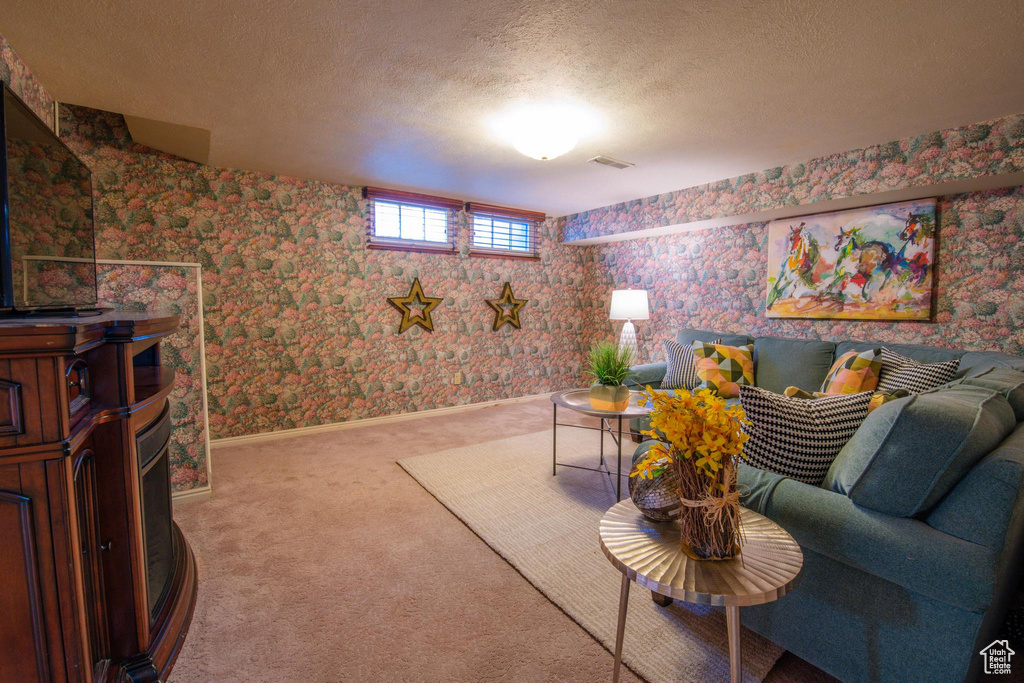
{"points": [[298, 328], [14, 73], [986, 148], [175, 290], [715, 279]]}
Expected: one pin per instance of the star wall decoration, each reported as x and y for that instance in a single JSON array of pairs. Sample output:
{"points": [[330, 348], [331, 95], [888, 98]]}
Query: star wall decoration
{"points": [[418, 299], [506, 309]]}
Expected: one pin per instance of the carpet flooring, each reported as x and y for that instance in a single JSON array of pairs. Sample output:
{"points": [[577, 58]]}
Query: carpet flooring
{"points": [[546, 527], [321, 560]]}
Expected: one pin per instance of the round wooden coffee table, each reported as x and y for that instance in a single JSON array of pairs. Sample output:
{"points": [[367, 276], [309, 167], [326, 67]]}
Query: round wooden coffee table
{"points": [[649, 553]]}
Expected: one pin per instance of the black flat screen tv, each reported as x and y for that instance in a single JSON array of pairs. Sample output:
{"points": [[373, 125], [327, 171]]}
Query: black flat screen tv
{"points": [[47, 235]]}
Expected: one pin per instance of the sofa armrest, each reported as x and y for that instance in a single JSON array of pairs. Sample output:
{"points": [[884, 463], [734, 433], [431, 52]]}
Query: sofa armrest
{"points": [[647, 374], [901, 550]]}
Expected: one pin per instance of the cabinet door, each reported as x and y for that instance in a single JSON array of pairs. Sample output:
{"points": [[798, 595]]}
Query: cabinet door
{"points": [[91, 548], [21, 611]]}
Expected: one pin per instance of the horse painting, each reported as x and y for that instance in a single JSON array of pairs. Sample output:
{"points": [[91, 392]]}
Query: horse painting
{"points": [[879, 265]]}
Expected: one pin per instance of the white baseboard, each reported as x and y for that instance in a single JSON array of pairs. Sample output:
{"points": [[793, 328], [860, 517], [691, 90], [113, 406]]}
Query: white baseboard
{"points": [[201, 493], [363, 422]]}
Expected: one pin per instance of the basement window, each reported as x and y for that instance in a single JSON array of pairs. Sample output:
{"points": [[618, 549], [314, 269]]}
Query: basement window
{"points": [[503, 232], [408, 221]]}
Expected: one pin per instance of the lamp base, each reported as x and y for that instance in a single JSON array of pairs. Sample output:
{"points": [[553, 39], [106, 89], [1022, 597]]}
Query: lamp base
{"points": [[627, 339]]}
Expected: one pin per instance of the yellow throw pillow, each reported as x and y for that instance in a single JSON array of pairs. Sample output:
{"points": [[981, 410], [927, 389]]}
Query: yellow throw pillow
{"points": [[723, 368], [878, 398], [853, 373], [797, 392], [882, 397]]}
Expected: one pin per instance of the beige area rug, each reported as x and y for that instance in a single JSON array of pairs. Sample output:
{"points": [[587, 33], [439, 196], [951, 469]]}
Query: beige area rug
{"points": [[546, 527]]}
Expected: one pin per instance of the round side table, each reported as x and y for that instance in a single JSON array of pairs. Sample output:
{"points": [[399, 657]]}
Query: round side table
{"points": [[578, 400], [649, 553]]}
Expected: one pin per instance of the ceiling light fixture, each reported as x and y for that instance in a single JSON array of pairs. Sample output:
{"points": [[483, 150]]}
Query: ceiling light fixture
{"points": [[544, 131]]}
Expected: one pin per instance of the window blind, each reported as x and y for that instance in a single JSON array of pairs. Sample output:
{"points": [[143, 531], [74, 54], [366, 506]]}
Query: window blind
{"points": [[503, 231], [406, 220]]}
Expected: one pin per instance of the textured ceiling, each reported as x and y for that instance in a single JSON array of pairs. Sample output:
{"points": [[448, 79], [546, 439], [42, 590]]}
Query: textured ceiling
{"points": [[400, 94]]}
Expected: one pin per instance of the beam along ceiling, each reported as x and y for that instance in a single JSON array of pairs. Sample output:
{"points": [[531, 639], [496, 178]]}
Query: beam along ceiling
{"points": [[400, 94]]}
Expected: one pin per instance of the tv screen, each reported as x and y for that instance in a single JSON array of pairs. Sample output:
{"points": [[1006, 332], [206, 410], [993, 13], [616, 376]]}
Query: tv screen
{"points": [[47, 242]]}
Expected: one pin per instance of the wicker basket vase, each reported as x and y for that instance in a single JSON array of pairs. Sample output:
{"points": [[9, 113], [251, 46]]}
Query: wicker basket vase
{"points": [[709, 518]]}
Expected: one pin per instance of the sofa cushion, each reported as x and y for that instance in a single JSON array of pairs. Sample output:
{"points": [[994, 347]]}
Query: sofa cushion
{"points": [[646, 374], [906, 552], [919, 352], [799, 437], [681, 372], [1009, 383], [853, 373], [688, 336], [909, 453], [901, 372], [976, 362], [780, 362], [723, 368], [980, 508]]}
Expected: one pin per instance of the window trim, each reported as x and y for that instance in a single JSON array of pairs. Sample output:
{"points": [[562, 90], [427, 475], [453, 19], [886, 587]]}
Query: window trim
{"points": [[425, 201], [533, 219]]}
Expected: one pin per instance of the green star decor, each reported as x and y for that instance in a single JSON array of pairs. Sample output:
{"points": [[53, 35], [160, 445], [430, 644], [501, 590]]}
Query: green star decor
{"points": [[506, 309], [416, 298]]}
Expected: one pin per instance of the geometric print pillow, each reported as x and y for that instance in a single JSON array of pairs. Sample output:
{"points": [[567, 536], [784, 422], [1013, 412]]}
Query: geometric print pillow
{"points": [[799, 438], [723, 369], [853, 373], [900, 372], [682, 371]]}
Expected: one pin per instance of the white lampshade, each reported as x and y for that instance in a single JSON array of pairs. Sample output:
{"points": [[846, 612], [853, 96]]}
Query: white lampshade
{"points": [[630, 304]]}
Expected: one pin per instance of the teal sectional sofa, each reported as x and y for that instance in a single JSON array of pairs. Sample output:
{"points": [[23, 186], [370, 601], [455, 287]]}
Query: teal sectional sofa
{"points": [[914, 543]]}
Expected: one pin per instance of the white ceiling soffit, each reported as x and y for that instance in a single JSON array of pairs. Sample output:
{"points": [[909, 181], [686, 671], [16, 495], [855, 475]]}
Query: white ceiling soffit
{"points": [[978, 184], [186, 142], [399, 94]]}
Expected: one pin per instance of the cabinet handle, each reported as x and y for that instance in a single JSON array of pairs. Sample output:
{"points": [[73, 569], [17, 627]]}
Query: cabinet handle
{"points": [[106, 546], [73, 384]]}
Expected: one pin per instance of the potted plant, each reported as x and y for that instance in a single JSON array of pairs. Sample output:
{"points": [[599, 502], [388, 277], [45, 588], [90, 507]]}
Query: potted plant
{"points": [[609, 366], [699, 440]]}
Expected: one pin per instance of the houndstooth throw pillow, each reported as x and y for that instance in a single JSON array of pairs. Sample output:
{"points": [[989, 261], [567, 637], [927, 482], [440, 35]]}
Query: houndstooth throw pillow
{"points": [[682, 371], [796, 437], [900, 372]]}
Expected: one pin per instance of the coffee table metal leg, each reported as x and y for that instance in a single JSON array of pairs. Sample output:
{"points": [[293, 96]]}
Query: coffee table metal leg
{"points": [[618, 472], [620, 629], [554, 438], [732, 623], [601, 464]]}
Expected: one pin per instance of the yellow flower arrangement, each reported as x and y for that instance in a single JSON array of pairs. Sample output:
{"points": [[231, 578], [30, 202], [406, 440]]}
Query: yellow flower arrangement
{"points": [[701, 427], [700, 437]]}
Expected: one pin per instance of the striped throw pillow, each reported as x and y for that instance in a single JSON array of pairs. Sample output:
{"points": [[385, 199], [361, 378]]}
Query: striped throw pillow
{"points": [[900, 372], [796, 437], [681, 372]]}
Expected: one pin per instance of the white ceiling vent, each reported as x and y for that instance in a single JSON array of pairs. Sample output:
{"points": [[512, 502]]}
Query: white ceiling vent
{"points": [[608, 161]]}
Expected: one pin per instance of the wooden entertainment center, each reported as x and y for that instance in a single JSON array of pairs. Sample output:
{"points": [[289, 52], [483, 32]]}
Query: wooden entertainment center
{"points": [[98, 583]]}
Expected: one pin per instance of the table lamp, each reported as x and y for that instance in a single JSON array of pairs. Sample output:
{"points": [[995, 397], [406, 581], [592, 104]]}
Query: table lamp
{"points": [[629, 305]]}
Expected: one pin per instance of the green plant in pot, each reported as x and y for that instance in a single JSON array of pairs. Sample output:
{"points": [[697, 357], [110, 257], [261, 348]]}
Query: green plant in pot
{"points": [[609, 366]]}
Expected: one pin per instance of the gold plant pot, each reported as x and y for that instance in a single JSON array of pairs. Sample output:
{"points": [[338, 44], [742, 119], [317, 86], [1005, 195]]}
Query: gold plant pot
{"points": [[613, 399]]}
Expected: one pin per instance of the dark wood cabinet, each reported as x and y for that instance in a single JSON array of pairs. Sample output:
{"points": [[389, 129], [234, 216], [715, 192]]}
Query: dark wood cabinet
{"points": [[98, 583]]}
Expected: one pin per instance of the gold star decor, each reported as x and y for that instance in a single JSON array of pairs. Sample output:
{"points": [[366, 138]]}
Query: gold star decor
{"points": [[416, 298], [506, 309]]}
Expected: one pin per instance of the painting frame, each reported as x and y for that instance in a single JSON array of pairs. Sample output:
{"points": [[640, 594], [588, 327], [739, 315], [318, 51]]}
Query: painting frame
{"points": [[867, 263]]}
